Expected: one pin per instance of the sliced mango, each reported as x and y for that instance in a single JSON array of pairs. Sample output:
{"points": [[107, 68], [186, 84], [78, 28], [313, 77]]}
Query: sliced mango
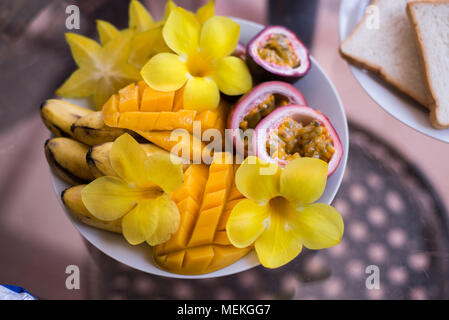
{"points": [[188, 146], [153, 100], [205, 200], [157, 121], [128, 98], [111, 112], [139, 107]]}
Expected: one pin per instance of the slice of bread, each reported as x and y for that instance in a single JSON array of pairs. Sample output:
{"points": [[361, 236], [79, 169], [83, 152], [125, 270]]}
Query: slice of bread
{"points": [[431, 25], [390, 51]]}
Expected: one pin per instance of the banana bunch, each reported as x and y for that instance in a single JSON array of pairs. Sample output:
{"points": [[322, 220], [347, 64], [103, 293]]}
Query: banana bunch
{"points": [[79, 153]]}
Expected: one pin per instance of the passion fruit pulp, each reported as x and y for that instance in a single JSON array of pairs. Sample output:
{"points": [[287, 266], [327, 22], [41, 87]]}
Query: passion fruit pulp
{"points": [[257, 104], [296, 131], [276, 53]]}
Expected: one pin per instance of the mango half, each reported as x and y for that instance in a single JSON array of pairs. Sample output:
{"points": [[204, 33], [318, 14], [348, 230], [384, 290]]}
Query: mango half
{"points": [[205, 202]]}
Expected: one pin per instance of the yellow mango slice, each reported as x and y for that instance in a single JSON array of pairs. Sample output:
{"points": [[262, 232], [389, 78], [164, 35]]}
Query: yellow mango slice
{"points": [[204, 201], [111, 112], [157, 121], [129, 98], [192, 151], [153, 100], [139, 107]]}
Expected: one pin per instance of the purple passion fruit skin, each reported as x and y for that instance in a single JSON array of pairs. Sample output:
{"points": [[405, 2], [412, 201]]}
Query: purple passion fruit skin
{"points": [[292, 132], [276, 53], [259, 103]]}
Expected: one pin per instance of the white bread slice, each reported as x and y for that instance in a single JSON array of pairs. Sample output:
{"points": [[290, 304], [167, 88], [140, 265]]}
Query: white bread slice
{"points": [[389, 51], [431, 25]]}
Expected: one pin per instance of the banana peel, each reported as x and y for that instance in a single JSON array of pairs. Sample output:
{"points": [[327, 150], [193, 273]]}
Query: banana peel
{"points": [[98, 158], [65, 119], [71, 198], [67, 158], [92, 130], [59, 115]]}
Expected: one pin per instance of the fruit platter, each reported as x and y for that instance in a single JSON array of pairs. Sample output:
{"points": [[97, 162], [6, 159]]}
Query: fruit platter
{"points": [[197, 146]]}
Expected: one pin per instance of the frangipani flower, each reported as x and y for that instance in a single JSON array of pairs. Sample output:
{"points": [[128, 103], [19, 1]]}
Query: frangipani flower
{"points": [[280, 215], [201, 62], [139, 195]]}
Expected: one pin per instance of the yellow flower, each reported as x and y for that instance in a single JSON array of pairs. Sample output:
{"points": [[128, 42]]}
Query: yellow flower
{"points": [[102, 70], [280, 215], [139, 195], [202, 14], [201, 62]]}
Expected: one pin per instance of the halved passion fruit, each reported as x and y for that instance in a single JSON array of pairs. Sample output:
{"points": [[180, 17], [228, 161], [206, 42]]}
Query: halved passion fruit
{"points": [[295, 131], [257, 104], [276, 53]]}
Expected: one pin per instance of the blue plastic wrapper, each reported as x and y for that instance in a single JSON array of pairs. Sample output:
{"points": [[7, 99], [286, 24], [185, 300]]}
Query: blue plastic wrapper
{"points": [[8, 292]]}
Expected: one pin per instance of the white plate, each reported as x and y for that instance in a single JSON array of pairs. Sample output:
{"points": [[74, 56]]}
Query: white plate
{"points": [[395, 103], [319, 92]]}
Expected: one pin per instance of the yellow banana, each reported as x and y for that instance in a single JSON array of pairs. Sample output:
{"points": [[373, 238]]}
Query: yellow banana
{"points": [[67, 158], [98, 158], [59, 115], [71, 198], [92, 130]]}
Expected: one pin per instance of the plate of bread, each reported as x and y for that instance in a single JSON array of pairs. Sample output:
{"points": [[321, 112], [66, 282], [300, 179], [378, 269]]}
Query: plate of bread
{"points": [[398, 50]]}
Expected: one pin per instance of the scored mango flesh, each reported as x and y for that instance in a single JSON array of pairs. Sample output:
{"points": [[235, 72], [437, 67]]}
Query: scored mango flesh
{"points": [[294, 140], [155, 114], [279, 50], [141, 108], [205, 202]]}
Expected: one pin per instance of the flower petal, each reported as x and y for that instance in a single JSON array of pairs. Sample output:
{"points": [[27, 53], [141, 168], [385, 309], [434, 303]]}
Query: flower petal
{"points": [[142, 46], [108, 198], [320, 226], [169, 7], [281, 242], [219, 37], [201, 94], [165, 72], [106, 31], [303, 180], [141, 222], [245, 223], [182, 31], [232, 76], [258, 180], [205, 12], [168, 220], [127, 159], [86, 52], [139, 18], [165, 171]]}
